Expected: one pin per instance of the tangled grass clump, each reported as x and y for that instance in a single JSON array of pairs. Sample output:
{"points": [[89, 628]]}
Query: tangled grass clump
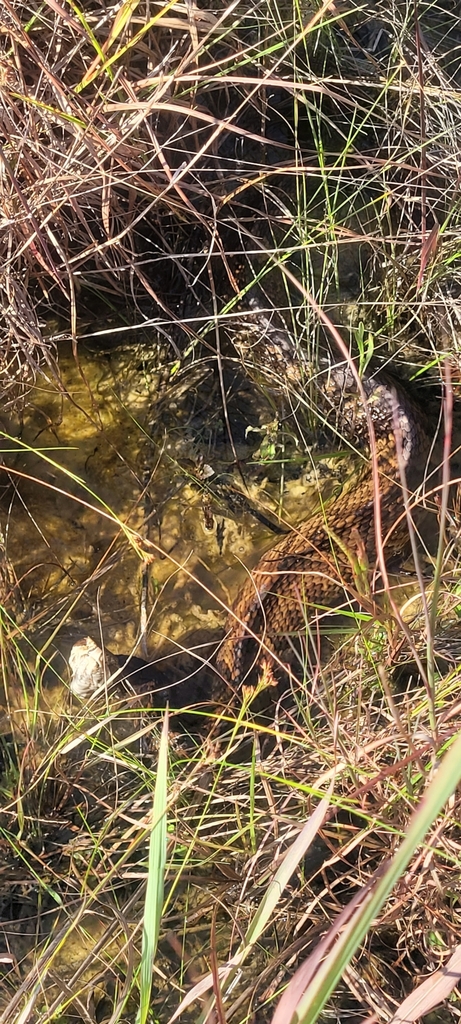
{"points": [[142, 145], [157, 162]]}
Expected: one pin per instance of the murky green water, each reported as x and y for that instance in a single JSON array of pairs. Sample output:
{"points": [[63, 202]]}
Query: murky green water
{"points": [[123, 440], [127, 439]]}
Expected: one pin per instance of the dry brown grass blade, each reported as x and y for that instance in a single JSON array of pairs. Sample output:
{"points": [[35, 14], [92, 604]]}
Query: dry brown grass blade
{"points": [[431, 992], [265, 910], [303, 976]]}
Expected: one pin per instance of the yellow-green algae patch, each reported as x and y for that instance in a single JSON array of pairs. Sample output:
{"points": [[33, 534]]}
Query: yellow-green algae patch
{"points": [[99, 450]]}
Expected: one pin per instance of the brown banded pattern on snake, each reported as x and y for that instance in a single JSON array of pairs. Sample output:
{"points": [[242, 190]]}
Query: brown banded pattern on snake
{"points": [[310, 567]]}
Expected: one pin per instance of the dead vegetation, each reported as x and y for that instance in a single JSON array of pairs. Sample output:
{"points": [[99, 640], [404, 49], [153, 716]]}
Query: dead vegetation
{"points": [[157, 163]]}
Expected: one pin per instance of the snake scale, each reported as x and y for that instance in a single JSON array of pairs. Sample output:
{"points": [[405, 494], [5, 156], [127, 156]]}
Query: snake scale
{"points": [[311, 566]]}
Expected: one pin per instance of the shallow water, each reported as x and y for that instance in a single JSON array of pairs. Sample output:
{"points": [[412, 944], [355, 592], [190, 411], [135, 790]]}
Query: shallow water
{"points": [[127, 439], [122, 441]]}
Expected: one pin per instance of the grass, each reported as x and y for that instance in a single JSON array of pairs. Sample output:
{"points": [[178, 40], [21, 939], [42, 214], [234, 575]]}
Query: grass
{"points": [[161, 166]]}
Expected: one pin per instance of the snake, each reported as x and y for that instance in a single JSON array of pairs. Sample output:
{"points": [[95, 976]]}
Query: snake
{"points": [[331, 557]]}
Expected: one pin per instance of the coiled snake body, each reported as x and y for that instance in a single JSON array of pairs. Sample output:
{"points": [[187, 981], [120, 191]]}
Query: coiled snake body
{"points": [[310, 568]]}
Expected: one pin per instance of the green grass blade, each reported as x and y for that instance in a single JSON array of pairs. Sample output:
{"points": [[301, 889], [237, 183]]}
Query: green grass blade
{"points": [[156, 877], [326, 975]]}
